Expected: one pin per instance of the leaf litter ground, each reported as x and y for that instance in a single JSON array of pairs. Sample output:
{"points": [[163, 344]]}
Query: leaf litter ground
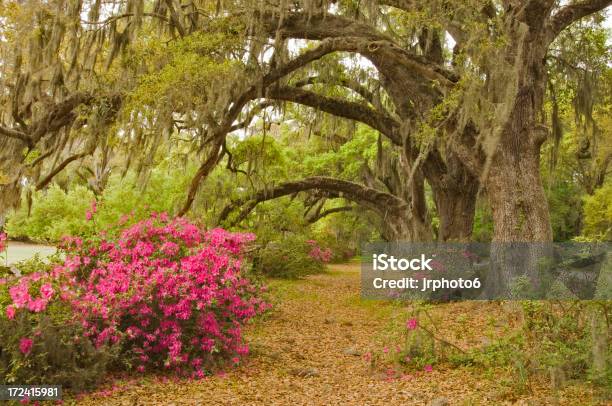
{"points": [[309, 351]]}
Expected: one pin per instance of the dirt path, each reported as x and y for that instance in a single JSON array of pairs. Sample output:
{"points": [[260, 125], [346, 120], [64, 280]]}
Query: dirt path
{"points": [[19, 251], [306, 353]]}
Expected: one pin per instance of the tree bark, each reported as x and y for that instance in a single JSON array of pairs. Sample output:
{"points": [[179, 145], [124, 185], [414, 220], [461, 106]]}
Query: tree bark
{"points": [[517, 199], [521, 222], [456, 209], [512, 178]]}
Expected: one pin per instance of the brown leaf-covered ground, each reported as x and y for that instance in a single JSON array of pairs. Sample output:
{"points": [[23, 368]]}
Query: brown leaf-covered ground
{"points": [[308, 351]]}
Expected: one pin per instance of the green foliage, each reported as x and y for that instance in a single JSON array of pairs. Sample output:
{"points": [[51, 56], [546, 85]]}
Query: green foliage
{"points": [[482, 230], [348, 160], [565, 209], [56, 213], [556, 339], [598, 214], [60, 356], [190, 71], [559, 339], [287, 258]]}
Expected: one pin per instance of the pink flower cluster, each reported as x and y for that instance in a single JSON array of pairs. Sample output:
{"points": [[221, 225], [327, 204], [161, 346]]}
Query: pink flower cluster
{"points": [[22, 296], [25, 345], [319, 254], [93, 209], [2, 241], [171, 294]]}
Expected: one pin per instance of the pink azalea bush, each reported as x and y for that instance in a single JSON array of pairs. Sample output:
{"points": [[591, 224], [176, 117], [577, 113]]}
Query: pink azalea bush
{"points": [[292, 257], [318, 253], [164, 294]]}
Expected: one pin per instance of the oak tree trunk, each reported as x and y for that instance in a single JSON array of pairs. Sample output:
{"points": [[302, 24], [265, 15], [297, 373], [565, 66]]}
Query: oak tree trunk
{"points": [[512, 178], [456, 209], [521, 221]]}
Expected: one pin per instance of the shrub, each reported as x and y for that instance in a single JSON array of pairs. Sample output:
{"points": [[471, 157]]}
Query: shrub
{"points": [[598, 214], [409, 347], [55, 213], [39, 338], [339, 250], [293, 257], [161, 294]]}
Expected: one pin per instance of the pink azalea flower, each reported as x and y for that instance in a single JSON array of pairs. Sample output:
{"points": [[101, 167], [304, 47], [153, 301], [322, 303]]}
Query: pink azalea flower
{"points": [[428, 368], [25, 345], [10, 312], [412, 324], [46, 291], [37, 305]]}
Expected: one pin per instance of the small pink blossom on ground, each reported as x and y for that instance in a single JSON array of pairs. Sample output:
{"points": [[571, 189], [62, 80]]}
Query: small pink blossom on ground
{"points": [[25, 345], [428, 368], [412, 324]]}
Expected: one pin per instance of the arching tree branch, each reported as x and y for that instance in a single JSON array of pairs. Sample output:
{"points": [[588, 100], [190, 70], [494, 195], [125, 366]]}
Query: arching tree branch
{"points": [[59, 116], [381, 201], [203, 171], [350, 84], [574, 12], [353, 36], [318, 26], [55, 171], [324, 213], [341, 108], [252, 92], [19, 135]]}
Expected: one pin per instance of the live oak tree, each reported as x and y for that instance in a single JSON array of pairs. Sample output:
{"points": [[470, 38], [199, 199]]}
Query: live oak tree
{"points": [[464, 120]]}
